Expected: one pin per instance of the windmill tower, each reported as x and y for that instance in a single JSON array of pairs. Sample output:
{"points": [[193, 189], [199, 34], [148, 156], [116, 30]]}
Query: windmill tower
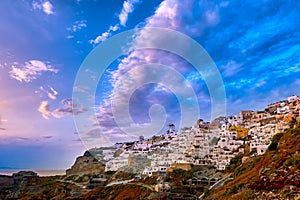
{"points": [[171, 128]]}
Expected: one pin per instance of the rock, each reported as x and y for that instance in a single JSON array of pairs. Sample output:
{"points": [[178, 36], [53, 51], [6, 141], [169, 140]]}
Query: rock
{"points": [[6, 181], [23, 175], [86, 164]]}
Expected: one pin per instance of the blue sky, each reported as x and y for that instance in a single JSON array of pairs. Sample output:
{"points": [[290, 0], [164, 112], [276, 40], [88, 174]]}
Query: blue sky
{"points": [[254, 44]]}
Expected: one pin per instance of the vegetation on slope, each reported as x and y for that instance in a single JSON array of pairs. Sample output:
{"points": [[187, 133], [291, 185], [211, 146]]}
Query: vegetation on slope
{"points": [[272, 175], [116, 192]]}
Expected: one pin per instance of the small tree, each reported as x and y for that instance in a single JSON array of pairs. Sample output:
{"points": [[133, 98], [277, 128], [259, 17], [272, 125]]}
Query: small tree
{"points": [[273, 146]]}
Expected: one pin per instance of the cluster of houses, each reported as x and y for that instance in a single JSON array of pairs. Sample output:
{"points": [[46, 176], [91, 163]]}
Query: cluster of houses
{"points": [[207, 143]]}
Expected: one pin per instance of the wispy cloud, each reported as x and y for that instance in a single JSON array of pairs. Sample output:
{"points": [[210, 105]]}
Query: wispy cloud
{"points": [[45, 6], [48, 136], [189, 17], [260, 83], [105, 35], [30, 70], [48, 8], [1, 121], [231, 68], [128, 7], [44, 109], [66, 109], [52, 94], [81, 89], [76, 27]]}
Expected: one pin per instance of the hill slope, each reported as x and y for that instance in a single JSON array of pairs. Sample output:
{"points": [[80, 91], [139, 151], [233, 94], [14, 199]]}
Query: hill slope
{"points": [[274, 175]]}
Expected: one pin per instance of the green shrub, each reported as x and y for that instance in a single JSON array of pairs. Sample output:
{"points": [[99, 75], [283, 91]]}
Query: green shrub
{"points": [[109, 172], [235, 162], [167, 177], [277, 137], [236, 188], [289, 194], [273, 146], [294, 160], [256, 159], [239, 171]]}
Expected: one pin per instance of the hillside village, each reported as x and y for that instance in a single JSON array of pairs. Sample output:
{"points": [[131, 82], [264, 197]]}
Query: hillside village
{"points": [[252, 155], [206, 143]]}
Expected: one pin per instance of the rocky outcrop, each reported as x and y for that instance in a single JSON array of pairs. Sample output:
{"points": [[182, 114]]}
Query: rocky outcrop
{"points": [[6, 181], [22, 176], [86, 164], [17, 183]]}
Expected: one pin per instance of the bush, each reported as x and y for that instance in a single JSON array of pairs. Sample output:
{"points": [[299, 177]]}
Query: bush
{"points": [[277, 137], [239, 171], [293, 160], [289, 194], [182, 174], [236, 188], [235, 162], [109, 172], [167, 177], [256, 159], [273, 146]]}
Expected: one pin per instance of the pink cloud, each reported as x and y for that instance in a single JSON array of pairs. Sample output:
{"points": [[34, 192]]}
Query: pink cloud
{"points": [[30, 71]]}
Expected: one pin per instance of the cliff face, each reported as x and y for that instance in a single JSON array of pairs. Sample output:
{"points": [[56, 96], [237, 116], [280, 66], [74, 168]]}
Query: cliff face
{"points": [[86, 164], [274, 175], [6, 181], [17, 183]]}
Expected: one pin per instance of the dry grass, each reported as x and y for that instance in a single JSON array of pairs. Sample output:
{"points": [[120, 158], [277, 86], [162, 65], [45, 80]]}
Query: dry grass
{"points": [[256, 175]]}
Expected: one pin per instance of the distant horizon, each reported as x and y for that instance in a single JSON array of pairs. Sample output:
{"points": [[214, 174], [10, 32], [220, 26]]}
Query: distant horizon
{"points": [[40, 172]]}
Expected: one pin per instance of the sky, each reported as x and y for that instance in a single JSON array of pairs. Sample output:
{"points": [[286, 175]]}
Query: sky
{"points": [[254, 47]]}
